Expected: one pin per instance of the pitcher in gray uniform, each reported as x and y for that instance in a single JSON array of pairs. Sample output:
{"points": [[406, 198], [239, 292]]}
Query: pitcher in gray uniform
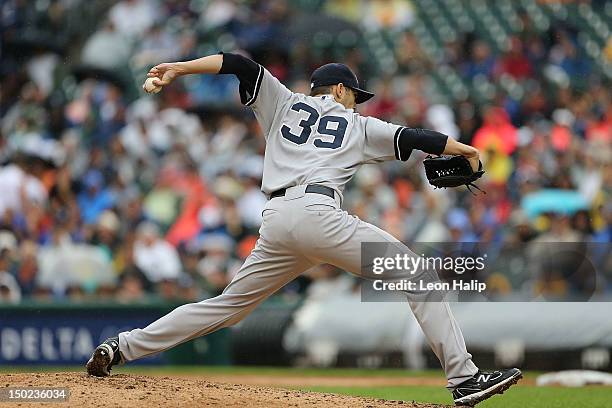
{"points": [[314, 145]]}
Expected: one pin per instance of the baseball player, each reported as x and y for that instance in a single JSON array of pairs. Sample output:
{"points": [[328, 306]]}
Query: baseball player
{"points": [[314, 145]]}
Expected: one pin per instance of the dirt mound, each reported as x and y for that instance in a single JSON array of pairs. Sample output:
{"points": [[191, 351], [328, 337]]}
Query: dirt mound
{"points": [[126, 390], [289, 381]]}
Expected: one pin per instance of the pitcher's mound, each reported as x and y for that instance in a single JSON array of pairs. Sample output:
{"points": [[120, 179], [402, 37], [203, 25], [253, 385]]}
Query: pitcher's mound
{"points": [[126, 391]]}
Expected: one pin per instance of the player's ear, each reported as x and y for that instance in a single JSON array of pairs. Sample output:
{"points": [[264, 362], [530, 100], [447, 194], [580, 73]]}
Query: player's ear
{"points": [[335, 91], [341, 90]]}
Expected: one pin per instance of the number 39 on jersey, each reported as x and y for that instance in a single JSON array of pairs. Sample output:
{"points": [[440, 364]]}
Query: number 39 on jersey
{"points": [[334, 126]]}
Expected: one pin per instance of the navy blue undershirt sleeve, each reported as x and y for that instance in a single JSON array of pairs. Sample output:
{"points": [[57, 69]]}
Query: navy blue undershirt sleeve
{"points": [[249, 74], [425, 140]]}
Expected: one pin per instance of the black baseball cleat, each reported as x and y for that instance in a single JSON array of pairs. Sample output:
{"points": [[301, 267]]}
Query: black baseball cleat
{"points": [[484, 385], [104, 357]]}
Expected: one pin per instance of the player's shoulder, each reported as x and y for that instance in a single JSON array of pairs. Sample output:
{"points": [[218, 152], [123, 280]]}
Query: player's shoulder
{"points": [[376, 126], [372, 120], [327, 103], [365, 120]]}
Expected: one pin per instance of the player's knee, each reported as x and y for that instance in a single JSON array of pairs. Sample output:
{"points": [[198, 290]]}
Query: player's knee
{"points": [[237, 302]]}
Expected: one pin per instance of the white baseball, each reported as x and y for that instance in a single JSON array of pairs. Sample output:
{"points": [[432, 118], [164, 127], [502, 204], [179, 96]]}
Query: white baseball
{"points": [[150, 87]]}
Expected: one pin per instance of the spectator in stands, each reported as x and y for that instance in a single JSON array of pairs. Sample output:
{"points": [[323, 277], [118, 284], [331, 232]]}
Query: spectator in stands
{"points": [[131, 287], [567, 56], [95, 198], [496, 132], [210, 261], [133, 17], [600, 127], [10, 290], [157, 259], [219, 13], [24, 195], [106, 232], [252, 201], [386, 104], [106, 48], [132, 212], [388, 14], [481, 61], [157, 45], [515, 62], [27, 268], [410, 57], [536, 52], [521, 229], [460, 226]]}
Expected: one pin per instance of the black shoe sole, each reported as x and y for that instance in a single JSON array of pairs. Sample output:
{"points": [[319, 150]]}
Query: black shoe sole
{"points": [[98, 364], [491, 392]]}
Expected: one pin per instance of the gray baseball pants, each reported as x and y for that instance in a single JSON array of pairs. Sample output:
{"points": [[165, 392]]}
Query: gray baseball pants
{"points": [[298, 231]]}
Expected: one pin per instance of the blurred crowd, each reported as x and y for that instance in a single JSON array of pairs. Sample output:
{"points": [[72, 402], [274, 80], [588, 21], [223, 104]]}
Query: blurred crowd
{"points": [[108, 193]]}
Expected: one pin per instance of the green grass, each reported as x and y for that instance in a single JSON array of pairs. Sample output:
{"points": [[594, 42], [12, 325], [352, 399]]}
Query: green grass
{"points": [[522, 396], [516, 397]]}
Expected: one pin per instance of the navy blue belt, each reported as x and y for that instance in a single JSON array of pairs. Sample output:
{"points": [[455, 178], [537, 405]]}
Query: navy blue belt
{"points": [[311, 188]]}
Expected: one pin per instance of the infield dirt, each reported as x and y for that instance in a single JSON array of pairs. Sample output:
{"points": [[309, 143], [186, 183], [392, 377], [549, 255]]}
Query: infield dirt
{"points": [[128, 390]]}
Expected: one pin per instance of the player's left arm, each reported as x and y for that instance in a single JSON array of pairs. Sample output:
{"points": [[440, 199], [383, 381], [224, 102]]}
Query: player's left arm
{"points": [[385, 141], [432, 142], [469, 152]]}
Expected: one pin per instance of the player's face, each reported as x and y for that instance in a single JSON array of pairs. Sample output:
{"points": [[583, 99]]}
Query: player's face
{"points": [[351, 96], [345, 96]]}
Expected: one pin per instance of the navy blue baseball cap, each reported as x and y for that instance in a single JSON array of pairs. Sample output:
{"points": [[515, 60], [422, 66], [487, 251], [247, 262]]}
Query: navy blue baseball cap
{"points": [[335, 73]]}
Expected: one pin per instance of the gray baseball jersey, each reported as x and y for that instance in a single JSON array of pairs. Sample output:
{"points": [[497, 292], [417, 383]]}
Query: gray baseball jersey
{"points": [[309, 140], [316, 140]]}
